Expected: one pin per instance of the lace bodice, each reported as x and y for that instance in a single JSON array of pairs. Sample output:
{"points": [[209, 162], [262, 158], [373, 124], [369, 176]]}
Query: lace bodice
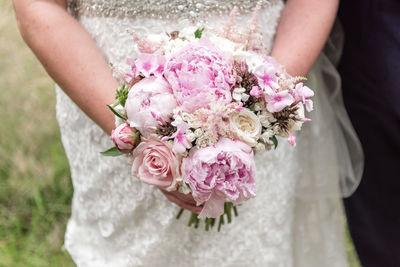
{"points": [[118, 221]]}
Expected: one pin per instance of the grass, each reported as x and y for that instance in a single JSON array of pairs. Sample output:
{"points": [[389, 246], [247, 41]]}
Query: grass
{"points": [[35, 184]]}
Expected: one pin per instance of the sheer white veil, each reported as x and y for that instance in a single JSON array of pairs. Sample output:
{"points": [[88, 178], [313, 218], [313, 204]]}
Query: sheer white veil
{"points": [[331, 157]]}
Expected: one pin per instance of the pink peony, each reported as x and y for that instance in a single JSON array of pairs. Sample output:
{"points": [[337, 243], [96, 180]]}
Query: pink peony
{"points": [[220, 173], [199, 71], [149, 96], [124, 137], [154, 163]]}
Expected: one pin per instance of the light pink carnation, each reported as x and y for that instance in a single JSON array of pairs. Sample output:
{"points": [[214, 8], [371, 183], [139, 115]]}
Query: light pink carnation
{"points": [[220, 173], [154, 163], [150, 95], [198, 71]]}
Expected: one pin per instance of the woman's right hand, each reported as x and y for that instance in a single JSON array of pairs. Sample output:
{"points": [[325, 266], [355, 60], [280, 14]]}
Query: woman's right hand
{"points": [[184, 201]]}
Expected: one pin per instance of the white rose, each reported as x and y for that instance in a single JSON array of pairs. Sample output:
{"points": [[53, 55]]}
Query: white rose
{"points": [[246, 126]]}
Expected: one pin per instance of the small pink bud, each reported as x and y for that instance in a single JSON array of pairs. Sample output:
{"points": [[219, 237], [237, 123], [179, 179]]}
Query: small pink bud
{"points": [[239, 107], [125, 138], [157, 117], [292, 139]]}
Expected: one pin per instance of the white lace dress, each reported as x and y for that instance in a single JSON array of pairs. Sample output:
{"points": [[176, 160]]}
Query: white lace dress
{"points": [[119, 221]]}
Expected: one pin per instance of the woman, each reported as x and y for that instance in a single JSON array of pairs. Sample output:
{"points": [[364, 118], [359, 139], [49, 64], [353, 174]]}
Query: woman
{"points": [[118, 221]]}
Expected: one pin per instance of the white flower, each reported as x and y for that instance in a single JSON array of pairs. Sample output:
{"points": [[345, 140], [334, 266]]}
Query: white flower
{"points": [[190, 135], [246, 126], [173, 46], [188, 33], [259, 147], [223, 43], [265, 136], [295, 125], [259, 106], [183, 188], [239, 95], [198, 132], [253, 60], [118, 120], [266, 118]]}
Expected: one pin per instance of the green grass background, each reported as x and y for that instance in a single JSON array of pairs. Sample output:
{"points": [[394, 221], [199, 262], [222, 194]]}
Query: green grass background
{"points": [[35, 184]]}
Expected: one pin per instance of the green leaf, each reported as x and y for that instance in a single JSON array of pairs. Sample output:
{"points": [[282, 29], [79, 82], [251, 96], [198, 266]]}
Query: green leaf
{"points": [[113, 152], [199, 32], [116, 113], [274, 140]]}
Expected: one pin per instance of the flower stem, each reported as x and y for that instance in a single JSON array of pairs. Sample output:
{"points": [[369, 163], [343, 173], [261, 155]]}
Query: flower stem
{"points": [[221, 222], [208, 223], [197, 221], [228, 211], [235, 211], [192, 219], [179, 214]]}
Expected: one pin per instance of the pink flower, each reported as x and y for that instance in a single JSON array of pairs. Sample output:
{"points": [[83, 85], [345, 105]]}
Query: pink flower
{"points": [[124, 137], [148, 64], [291, 139], [279, 101], [301, 93], [150, 95], [181, 142], [199, 71], [267, 78], [154, 163], [256, 92], [220, 173]]}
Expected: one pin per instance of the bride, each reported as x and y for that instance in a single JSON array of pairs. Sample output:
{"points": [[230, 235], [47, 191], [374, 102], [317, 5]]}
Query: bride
{"points": [[296, 218]]}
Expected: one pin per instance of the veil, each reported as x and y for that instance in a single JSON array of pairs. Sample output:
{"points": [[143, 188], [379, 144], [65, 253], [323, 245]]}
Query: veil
{"points": [[331, 157]]}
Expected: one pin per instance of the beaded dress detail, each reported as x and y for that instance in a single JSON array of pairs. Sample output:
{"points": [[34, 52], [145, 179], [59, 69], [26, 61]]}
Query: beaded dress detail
{"points": [[119, 221]]}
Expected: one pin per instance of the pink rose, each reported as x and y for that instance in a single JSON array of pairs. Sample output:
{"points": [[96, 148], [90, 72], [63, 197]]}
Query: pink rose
{"points": [[220, 173], [149, 96], [199, 71], [124, 137], [154, 163]]}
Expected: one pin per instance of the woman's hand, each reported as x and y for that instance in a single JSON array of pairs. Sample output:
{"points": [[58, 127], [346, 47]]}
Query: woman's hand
{"points": [[303, 29], [182, 200], [69, 55]]}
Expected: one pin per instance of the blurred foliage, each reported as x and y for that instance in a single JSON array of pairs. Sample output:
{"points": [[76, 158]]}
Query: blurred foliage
{"points": [[35, 184]]}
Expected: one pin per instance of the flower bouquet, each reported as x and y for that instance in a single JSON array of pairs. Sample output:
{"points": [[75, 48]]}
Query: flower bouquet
{"points": [[197, 104]]}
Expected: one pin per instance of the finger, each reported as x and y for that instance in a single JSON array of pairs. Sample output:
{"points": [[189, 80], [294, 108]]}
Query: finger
{"points": [[186, 198], [182, 204]]}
